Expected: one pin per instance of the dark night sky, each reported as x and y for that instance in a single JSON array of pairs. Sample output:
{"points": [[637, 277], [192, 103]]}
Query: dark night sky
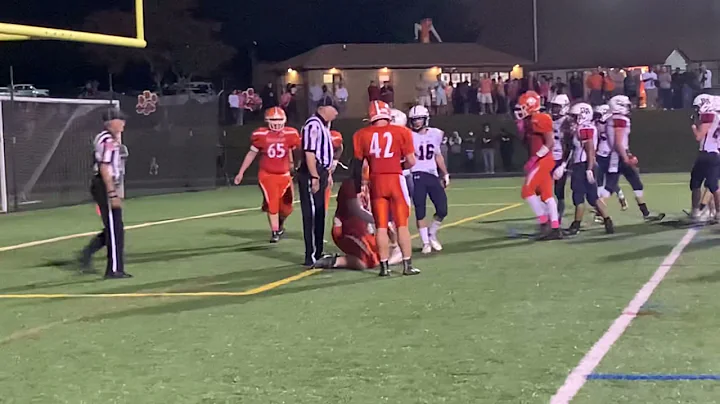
{"points": [[282, 28]]}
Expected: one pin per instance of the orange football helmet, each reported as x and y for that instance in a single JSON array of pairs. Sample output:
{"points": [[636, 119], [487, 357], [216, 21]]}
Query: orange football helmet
{"points": [[528, 104], [275, 118], [379, 110]]}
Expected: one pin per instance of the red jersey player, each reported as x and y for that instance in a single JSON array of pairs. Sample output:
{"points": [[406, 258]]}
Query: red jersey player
{"points": [[384, 146], [274, 144], [538, 187], [337, 141], [352, 230]]}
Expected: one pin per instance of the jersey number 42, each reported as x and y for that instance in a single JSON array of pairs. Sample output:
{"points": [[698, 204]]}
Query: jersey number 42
{"points": [[377, 150]]}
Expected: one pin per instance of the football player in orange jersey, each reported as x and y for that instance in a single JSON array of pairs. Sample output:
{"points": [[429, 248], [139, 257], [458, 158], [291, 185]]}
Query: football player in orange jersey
{"points": [[353, 231], [384, 146], [275, 144], [538, 187], [337, 141]]}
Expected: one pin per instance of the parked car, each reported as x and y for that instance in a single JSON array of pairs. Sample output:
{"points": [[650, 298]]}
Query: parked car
{"points": [[29, 90]]}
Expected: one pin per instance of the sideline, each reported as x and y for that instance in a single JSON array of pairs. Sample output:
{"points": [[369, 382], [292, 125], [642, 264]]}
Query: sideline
{"points": [[595, 355]]}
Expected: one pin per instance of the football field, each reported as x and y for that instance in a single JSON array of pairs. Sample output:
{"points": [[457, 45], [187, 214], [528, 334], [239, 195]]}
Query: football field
{"points": [[215, 314]]}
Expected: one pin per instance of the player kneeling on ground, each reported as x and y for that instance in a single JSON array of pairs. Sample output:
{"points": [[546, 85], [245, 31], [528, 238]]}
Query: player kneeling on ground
{"points": [[582, 180], [275, 144], [707, 165], [353, 231], [427, 143]]}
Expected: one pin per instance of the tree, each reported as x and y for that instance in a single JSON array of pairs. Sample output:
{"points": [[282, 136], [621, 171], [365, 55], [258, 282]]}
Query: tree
{"points": [[177, 41]]}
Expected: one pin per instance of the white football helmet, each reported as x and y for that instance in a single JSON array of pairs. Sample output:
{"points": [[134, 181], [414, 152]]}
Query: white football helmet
{"points": [[582, 112], [559, 105], [419, 117], [398, 117], [602, 113], [620, 104], [705, 103]]}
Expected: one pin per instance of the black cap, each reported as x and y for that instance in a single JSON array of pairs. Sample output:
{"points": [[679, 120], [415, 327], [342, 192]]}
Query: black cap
{"points": [[112, 114]]}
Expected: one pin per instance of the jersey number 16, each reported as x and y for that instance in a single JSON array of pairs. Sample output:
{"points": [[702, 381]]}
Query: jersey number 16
{"points": [[377, 150], [427, 152]]}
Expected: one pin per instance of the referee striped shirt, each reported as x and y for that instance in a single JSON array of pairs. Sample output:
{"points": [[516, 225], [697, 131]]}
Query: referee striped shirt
{"points": [[107, 151], [316, 138]]}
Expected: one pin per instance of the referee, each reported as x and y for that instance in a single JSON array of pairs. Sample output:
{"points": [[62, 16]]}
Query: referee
{"points": [[313, 179], [106, 190]]}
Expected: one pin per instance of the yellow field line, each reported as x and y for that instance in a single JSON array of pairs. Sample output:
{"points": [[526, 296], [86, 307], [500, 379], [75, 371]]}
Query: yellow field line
{"points": [[250, 292]]}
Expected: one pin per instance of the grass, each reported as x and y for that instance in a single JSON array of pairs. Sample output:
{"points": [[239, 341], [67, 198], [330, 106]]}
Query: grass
{"points": [[491, 320]]}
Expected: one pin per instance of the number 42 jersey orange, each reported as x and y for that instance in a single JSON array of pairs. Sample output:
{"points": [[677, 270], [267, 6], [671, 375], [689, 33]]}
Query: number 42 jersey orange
{"points": [[384, 147]]}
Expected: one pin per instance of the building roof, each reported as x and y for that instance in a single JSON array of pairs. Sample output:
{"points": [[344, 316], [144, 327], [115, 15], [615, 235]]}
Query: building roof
{"points": [[605, 55], [397, 56]]}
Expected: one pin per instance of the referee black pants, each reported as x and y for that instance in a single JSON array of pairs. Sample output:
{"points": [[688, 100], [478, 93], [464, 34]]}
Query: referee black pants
{"points": [[312, 205], [113, 235]]}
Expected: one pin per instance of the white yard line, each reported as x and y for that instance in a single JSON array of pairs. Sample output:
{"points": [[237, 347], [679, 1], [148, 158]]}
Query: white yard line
{"points": [[592, 359], [135, 226]]}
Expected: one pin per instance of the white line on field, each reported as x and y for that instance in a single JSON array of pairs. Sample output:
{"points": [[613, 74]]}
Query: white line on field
{"points": [[595, 355], [451, 188], [135, 226]]}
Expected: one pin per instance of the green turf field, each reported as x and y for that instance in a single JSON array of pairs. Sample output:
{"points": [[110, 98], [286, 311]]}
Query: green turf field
{"points": [[492, 319]]}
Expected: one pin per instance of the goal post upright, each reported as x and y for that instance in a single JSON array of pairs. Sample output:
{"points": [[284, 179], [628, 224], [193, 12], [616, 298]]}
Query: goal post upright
{"points": [[3, 168], [18, 32]]}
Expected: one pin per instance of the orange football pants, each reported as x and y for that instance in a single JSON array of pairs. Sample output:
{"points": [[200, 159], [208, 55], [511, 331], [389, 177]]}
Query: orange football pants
{"points": [[539, 180], [277, 192]]}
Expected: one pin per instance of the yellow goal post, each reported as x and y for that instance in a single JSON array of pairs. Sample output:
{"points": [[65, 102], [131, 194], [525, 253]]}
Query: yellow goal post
{"points": [[17, 32]]}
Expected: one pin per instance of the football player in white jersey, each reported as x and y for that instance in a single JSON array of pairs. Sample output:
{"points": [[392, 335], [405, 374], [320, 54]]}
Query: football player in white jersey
{"points": [[559, 106], [601, 116], [618, 133], [582, 180], [707, 164], [426, 172]]}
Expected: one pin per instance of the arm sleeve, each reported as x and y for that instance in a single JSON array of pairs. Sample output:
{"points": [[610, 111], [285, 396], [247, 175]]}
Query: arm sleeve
{"points": [[407, 146], [586, 134], [707, 118], [105, 150], [358, 147], [542, 123], [257, 142], [310, 136]]}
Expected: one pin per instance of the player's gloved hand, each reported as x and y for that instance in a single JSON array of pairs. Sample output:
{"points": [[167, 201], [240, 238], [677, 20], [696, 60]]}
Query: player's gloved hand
{"points": [[559, 171], [446, 180], [632, 160], [371, 228], [531, 164], [590, 176]]}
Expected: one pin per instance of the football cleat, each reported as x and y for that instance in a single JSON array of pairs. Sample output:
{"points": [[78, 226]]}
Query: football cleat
{"points": [[573, 230], [384, 269], [623, 204], [281, 232], [609, 225], [654, 218], [326, 262], [435, 244], [411, 271], [275, 237], [426, 249], [553, 234]]}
